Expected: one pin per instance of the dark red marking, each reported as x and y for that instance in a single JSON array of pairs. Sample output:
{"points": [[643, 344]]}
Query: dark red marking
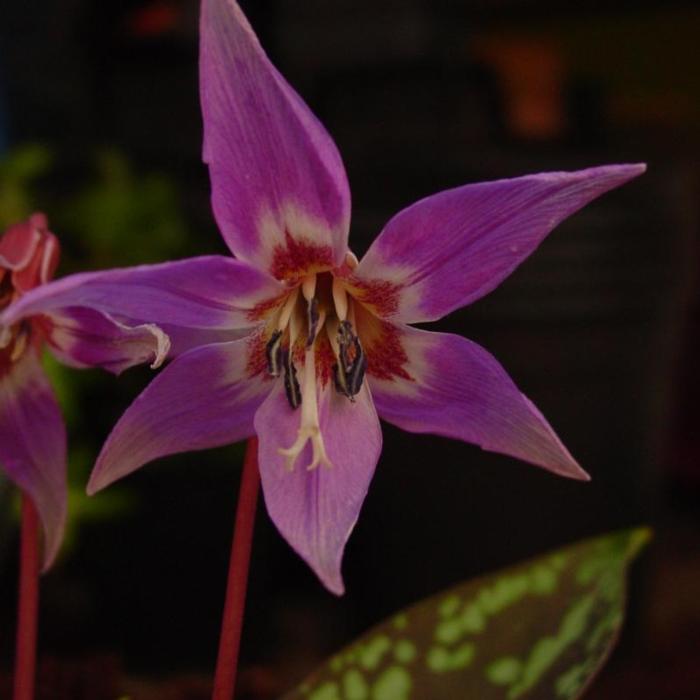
{"points": [[299, 257], [262, 310], [381, 341], [257, 359], [381, 295], [325, 359]]}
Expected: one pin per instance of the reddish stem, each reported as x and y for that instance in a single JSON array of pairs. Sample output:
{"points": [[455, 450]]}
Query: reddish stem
{"points": [[28, 603], [232, 620]]}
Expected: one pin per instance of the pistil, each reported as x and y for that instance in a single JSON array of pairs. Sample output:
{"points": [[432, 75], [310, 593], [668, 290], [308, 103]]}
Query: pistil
{"points": [[309, 428]]}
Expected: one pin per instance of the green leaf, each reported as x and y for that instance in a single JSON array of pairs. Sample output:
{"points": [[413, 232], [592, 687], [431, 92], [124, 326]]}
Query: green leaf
{"points": [[541, 629]]}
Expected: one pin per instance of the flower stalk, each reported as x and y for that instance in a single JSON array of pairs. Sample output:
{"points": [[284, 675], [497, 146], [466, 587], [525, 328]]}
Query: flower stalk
{"points": [[239, 564], [28, 603]]}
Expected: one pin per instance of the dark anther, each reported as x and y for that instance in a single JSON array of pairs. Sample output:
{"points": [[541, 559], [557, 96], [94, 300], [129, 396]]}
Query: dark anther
{"points": [[312, 321], [291, 383], [349, 374], [273, 353], [356, 375], [340, 381]]}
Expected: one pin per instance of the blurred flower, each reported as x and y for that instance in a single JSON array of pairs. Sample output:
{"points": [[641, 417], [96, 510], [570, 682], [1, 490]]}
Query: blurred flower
{"points": [[32, 434], [313, 344]]}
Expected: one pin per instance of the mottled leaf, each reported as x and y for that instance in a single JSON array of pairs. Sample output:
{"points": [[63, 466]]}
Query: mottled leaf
{"points": [[538, 630]]}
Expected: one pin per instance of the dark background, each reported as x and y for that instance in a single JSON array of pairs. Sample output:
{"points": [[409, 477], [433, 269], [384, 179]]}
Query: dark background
{"points": [[601, 327]]}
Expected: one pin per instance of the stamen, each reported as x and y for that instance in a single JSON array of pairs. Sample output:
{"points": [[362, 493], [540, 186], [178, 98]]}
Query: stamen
{"points": [[340, 381], [5, 336], [356, 375], [351, 260], [286, 312], [291, 383], [347, 342], [340, 299], [308, 287], [349, 373], [312, 321], [273, 353], [20, 345]]}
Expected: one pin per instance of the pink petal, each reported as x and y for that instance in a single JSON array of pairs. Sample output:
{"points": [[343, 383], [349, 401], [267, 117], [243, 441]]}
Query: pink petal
{"points": [[448, 250], [204, 398], [315, 511], [206, 294], [30, 251], [18, 245], [279, 190], [41, 267], [33, 445], [81, 337], [457, 389]]}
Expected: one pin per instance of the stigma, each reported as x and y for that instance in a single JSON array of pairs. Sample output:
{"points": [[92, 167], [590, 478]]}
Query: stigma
{"points": [[313, 341]]}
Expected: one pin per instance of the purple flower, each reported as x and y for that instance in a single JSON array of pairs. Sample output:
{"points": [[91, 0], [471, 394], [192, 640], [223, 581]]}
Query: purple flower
{"points": [[32, 434], [294, 339]]}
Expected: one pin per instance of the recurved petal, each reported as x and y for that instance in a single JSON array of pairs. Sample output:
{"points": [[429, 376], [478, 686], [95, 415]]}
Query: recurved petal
{"points": [[81, 337], [42, 265], [183, 339], [450, 249], [315, 511], [205, 293], [33, 445], [279, 189], [450, 386], [204, 398]]}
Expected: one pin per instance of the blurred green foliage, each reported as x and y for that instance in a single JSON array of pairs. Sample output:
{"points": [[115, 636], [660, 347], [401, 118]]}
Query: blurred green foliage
{"points": [[124, 219], [18, 173]]}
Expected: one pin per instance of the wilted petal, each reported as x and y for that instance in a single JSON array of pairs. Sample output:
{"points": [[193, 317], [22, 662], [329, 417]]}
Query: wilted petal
{"points": [[450, 386], [33, 444], [316, 510], [206, 293], [81, 337], [19, 243], [279, 190], [204, 398], [450, 249], [30, 251]]}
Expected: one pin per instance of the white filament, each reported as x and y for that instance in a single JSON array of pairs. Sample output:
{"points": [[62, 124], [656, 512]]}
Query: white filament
{"points": [[286, 312], [340, 299]]}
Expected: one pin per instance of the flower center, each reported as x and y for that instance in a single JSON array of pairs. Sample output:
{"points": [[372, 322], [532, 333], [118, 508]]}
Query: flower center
{"points": [[315, 336], [13, 339]]}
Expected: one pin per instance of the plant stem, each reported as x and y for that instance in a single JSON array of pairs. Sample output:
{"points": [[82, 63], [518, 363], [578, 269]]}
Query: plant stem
{"points": [[28, 603], [232, 620]]}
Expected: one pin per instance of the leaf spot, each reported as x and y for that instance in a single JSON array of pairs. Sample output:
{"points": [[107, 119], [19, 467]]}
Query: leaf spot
{"points": [[394, 684], [405, 651], [449, 606], [371, 654], [505, 671], [354, 686], [328, 691]]}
